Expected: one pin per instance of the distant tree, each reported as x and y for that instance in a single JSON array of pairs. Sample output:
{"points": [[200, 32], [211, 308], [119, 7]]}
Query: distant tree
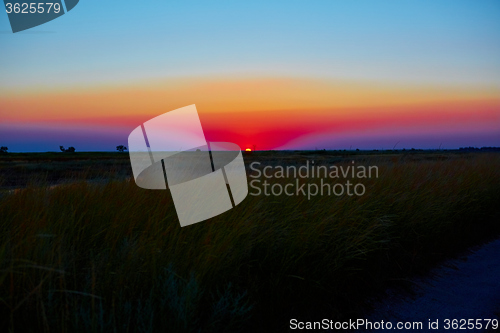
{"points": [[69, 150], [254, 147], [3, 149], [121, 148]]}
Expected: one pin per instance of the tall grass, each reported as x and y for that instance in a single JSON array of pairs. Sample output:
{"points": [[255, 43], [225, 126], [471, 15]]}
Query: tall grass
{"points": [[112, 257]]}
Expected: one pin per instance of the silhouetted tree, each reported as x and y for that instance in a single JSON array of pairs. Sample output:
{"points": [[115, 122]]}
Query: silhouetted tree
{"points": [[69, 150], [254, 147], [121, 148], [3, 149]]}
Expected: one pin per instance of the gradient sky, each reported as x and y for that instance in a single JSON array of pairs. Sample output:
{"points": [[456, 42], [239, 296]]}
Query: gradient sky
{"points": [[278, 74]]}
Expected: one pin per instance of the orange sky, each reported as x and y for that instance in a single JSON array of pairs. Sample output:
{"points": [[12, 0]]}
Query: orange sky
{"points": [[268, 112], [223, 95]]}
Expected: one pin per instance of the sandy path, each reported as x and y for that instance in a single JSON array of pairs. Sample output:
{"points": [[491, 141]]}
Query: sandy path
{"points": [[463, 288]]}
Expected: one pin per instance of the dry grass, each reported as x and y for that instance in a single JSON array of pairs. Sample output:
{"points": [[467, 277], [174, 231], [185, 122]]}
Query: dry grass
{"points": [[112, 257]]}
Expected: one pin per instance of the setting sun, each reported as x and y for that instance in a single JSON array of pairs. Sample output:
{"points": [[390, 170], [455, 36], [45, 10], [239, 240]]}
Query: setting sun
{"points": [[248, 149]]}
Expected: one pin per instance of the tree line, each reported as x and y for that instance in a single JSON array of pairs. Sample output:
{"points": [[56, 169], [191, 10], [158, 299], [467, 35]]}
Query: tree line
{"points": [[120, 148]]}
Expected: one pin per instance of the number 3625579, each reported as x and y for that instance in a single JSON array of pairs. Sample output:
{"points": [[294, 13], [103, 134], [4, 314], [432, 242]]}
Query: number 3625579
{"points": [[32, 8]]}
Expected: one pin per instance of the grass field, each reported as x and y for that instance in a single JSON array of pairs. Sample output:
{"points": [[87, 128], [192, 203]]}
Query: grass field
{"points": [[99, 254]]}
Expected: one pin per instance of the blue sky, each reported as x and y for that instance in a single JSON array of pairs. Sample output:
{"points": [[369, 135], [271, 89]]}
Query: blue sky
{"points": [[109, 42]]}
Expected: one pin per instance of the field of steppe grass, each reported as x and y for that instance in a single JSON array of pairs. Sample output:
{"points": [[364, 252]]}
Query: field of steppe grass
{"points": [[111, 257]]}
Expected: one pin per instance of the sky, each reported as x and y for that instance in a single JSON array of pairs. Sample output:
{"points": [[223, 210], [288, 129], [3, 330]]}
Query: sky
{"points": [[274, 74]]}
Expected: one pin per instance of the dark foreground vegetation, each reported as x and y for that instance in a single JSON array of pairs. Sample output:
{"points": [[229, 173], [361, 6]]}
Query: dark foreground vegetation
{"points": [[99, 254]]}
